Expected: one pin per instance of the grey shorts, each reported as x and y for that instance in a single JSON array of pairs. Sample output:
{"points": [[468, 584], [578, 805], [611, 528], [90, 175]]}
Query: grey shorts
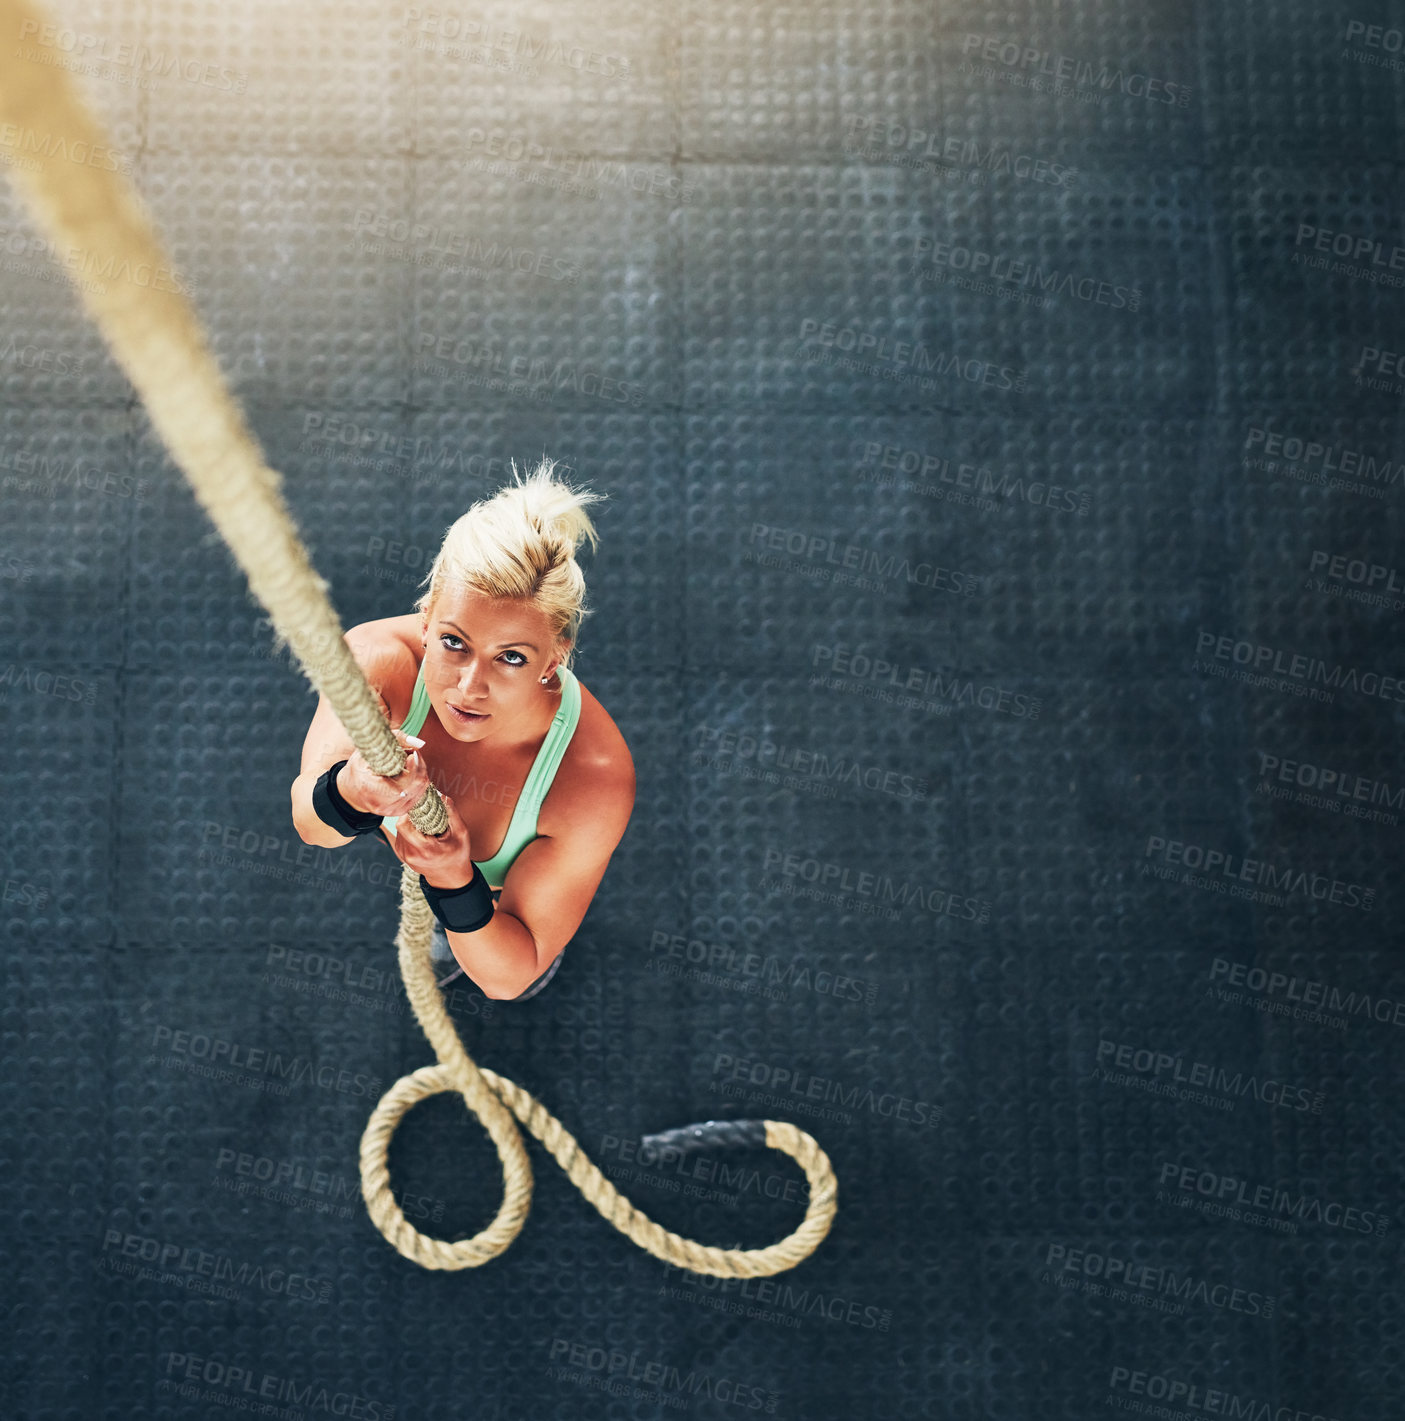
{"points": [[440, 951]]}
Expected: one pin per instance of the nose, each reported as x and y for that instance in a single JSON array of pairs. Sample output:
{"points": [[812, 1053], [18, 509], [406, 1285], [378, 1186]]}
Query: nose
{"points": [[473, 680]]}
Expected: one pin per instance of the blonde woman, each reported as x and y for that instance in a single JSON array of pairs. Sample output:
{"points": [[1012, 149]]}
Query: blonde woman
{"points": [[537, 780]]}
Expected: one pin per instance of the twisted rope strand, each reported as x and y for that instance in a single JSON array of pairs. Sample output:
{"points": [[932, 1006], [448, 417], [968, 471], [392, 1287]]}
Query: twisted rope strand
{"points": [[156, 337]]}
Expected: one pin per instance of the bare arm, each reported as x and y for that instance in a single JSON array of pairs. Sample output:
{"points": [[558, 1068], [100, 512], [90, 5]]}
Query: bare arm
{"points": [[548, 889]]}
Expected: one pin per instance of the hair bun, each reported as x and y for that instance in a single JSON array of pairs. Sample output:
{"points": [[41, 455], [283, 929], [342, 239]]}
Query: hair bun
{"points": [[555, 509], [521, 543]]}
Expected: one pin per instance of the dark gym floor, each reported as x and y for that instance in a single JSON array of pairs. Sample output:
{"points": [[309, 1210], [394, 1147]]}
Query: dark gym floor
{"points": [[1000, 591]]}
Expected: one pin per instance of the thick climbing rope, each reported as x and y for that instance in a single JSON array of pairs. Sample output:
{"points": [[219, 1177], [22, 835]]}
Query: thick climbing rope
{"points": [[65, 169]]}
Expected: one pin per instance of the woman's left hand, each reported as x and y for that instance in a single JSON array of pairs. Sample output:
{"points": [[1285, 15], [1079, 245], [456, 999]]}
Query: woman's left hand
{"points": [[444, 859]]}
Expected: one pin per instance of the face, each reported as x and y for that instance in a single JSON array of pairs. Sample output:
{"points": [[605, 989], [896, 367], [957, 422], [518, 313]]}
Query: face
{"points": [[484, 658]]}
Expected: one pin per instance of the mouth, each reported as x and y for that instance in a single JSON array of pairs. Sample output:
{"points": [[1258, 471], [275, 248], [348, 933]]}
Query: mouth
{"points": [[466, 717]]}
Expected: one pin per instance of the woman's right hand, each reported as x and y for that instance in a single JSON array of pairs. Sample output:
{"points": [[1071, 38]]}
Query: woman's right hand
{"points": [[371, 793]]}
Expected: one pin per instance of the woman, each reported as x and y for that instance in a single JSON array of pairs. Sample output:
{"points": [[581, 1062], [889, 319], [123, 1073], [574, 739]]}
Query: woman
{"points": [[536, 779]]}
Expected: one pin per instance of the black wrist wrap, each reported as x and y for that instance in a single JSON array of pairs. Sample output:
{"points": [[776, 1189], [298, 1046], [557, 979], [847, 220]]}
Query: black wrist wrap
{"points": [[335, 812], [461, 910]]}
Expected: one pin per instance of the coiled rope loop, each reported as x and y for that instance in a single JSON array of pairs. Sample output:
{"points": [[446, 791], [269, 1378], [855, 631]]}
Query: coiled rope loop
{"points": [[156, 337], [491, 1097]]}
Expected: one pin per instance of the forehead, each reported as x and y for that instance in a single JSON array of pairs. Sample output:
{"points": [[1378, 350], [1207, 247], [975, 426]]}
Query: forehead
{"points": [[493, 618]]}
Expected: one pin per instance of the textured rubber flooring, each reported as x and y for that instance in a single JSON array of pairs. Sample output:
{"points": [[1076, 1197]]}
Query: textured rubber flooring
{"points": [[1000, 591]]}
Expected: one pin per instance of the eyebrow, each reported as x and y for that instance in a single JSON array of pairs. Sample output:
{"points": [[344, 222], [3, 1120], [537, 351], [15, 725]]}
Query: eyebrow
{"points": [[502, 645]]}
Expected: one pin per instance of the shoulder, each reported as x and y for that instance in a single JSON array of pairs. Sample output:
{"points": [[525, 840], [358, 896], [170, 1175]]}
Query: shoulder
{"points": [[594, 789], [388, 652]]}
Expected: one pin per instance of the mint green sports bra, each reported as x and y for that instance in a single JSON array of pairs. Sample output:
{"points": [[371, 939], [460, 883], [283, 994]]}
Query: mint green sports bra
{"points": [[523, 827]]}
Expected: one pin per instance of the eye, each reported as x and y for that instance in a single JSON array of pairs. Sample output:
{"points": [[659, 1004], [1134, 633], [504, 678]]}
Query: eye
{"points": [[445, 638], [521, 660]]}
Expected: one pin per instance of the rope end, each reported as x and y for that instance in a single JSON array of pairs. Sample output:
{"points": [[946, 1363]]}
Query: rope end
{"points": [[710, 1134]]}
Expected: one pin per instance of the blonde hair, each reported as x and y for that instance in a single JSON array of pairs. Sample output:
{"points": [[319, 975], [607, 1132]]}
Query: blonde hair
{"points": [[521, 543]]}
